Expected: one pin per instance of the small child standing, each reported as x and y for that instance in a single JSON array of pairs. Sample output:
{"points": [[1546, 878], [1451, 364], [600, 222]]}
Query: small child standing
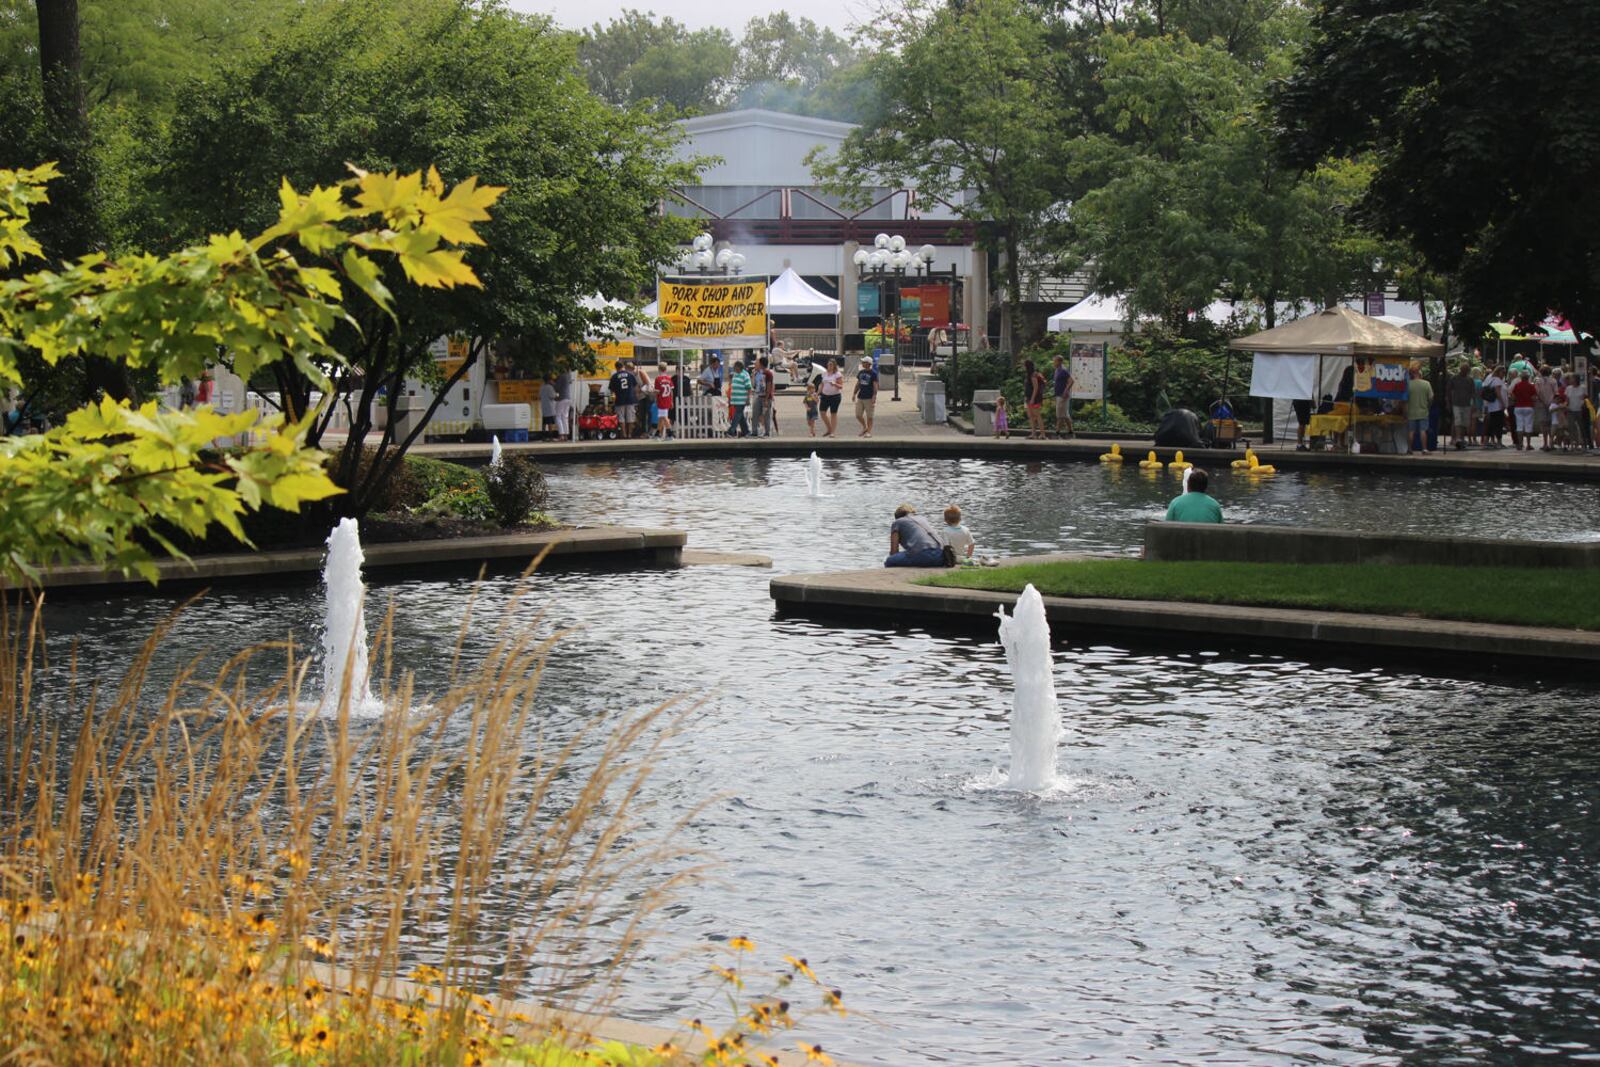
{"points": [[956, 535], [811, 408], [1001, 429]]}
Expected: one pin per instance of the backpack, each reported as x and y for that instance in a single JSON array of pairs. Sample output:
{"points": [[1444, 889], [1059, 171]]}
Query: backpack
{"points": [[1490, 393], [948, 556]]}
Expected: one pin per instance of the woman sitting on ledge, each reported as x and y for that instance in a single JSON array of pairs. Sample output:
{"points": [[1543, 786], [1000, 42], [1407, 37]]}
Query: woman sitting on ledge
{"points": [[913, 541], [1195, 505]]}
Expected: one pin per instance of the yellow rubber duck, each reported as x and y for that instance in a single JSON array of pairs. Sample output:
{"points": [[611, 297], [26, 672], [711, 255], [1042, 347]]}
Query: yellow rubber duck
{"points": [[1178, 464], [1245, 463], [1257, 469], [1150, 463], [1114, 456]]}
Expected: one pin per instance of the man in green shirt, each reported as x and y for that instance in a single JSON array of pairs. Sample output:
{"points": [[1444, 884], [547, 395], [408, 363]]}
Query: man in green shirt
{"points": [[1419, 399], [1194, 505]]}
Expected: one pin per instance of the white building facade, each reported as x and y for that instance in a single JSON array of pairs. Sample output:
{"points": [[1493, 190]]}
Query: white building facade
{"points": [[761, 198]]}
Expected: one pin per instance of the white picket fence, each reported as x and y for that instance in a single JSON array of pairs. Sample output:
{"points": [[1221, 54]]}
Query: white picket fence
{"points": [[698, 415]]}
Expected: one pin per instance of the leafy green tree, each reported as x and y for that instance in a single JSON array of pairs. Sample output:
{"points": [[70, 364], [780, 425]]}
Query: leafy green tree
{"points": [[100, 486], [966, 110], [1480, 119], [391, 85], [634, 59]]}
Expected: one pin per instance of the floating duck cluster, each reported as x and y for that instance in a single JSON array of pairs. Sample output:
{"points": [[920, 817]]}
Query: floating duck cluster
{"points": [[1114, 456]]}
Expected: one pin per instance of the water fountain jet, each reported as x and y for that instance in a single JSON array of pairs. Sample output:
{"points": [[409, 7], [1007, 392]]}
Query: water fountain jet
{"points": [[1035, 714], [814, 476], [344, 628], [494, 451]]}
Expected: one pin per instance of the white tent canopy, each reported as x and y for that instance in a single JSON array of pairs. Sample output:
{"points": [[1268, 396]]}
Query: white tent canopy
{"points": [[1092, 314], [790, 295], [1109, 314], [643, 334]]}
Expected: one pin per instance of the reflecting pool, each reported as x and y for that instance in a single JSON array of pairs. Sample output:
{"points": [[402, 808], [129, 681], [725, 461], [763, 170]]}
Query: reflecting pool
{"points": [[1260, 860]]}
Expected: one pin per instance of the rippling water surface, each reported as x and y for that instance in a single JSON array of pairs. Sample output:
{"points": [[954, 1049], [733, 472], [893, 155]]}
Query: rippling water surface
{"points": [[1261, 861]]}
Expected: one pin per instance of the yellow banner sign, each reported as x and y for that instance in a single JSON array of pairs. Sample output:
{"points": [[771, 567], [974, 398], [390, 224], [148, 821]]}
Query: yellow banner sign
{"points": [[711, 315], [608, 353]]}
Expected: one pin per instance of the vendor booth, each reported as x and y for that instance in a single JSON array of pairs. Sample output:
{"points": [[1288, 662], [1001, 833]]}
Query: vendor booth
{"points": [[1351, 369]]}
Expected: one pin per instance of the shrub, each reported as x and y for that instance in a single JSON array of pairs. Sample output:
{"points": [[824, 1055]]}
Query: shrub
{"points": [[450, 489], [972, 371], [516, 490]]}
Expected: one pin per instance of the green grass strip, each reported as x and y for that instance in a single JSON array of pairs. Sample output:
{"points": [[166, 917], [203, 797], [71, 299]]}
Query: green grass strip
{"points": [[1567, 599]]}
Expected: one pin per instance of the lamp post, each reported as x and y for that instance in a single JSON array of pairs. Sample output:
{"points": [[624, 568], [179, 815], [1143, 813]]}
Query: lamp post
{"points": [[703, 259], [888, 265]]}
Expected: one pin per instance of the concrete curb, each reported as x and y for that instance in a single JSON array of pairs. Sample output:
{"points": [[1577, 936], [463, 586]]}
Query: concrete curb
{"points": [[886, 593], [958, 446], [620, 544]]}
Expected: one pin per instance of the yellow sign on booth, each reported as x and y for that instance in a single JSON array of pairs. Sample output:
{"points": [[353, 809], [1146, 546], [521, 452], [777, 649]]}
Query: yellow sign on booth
{"points": [[607, 353], [519, 391], [730, 314]]}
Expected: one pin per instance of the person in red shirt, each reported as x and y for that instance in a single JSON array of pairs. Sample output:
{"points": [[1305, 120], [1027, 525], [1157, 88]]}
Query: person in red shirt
{"points": [[665, 387], [1524, 395]]}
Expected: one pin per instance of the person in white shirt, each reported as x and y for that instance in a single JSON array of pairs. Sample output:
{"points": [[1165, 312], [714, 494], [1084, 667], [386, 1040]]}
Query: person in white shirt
{"points": [[956, 535]]}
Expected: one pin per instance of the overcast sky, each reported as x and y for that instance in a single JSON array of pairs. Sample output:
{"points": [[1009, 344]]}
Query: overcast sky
{"points": [[836, 15]]}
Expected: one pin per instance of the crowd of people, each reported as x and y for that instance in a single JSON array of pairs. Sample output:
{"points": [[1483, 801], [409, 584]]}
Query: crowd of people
{"points": [[1554, 405]]}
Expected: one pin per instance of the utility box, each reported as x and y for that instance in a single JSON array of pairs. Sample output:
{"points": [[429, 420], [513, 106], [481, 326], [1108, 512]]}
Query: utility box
{"points": [[983, 412], [408, 413], [930, 391]]}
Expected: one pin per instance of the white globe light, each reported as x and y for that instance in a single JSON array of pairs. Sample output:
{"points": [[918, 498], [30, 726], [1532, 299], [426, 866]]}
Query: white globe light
{"points": [[723, 257], [878, 260], [897, 243], [927, 253], [881, 241], [702, 242], [902, 259], [703, 258], [860, 258], [736, 261]]}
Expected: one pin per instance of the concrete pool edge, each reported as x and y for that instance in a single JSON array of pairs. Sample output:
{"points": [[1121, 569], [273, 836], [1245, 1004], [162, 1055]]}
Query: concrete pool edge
{"points": [[884, 593], [647, 546]]}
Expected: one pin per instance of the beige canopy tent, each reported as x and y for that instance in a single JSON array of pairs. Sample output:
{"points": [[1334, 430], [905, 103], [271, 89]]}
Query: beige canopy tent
{"points": [[1340, 332], [1306, 359]]}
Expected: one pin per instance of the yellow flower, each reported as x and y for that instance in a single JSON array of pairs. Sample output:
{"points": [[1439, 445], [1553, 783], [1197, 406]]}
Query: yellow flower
{"points": [[800, 966], [767, 1059], [318, 946], [742, 944], [261, 923], [729, 975], [833, 998], [700, 1027], [814, 1054], [424, 973], [666, 1048], [311, 991]]}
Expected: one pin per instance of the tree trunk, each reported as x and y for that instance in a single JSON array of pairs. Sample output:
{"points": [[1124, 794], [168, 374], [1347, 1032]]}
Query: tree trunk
{"points": [[1011, 309], [69, 225]]}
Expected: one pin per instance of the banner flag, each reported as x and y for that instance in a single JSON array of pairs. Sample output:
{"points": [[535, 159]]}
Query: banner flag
{"points": [[716, 315]]}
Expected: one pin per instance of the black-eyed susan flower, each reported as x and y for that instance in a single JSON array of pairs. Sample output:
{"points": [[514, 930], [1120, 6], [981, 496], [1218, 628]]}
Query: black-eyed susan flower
{"points": [[729, 975], [318, 946], [834, 999], [800, 966], [814, 1054], [742, 944]]}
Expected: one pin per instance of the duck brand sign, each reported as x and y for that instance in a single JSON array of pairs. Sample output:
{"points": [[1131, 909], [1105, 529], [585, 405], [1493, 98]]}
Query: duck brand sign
{"points": [[1383, 379]]}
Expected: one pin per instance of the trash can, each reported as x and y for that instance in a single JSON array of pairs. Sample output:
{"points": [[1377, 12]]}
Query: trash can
{"points": [[887, 372], [922, 390], [930, 393], [983, 412]]}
